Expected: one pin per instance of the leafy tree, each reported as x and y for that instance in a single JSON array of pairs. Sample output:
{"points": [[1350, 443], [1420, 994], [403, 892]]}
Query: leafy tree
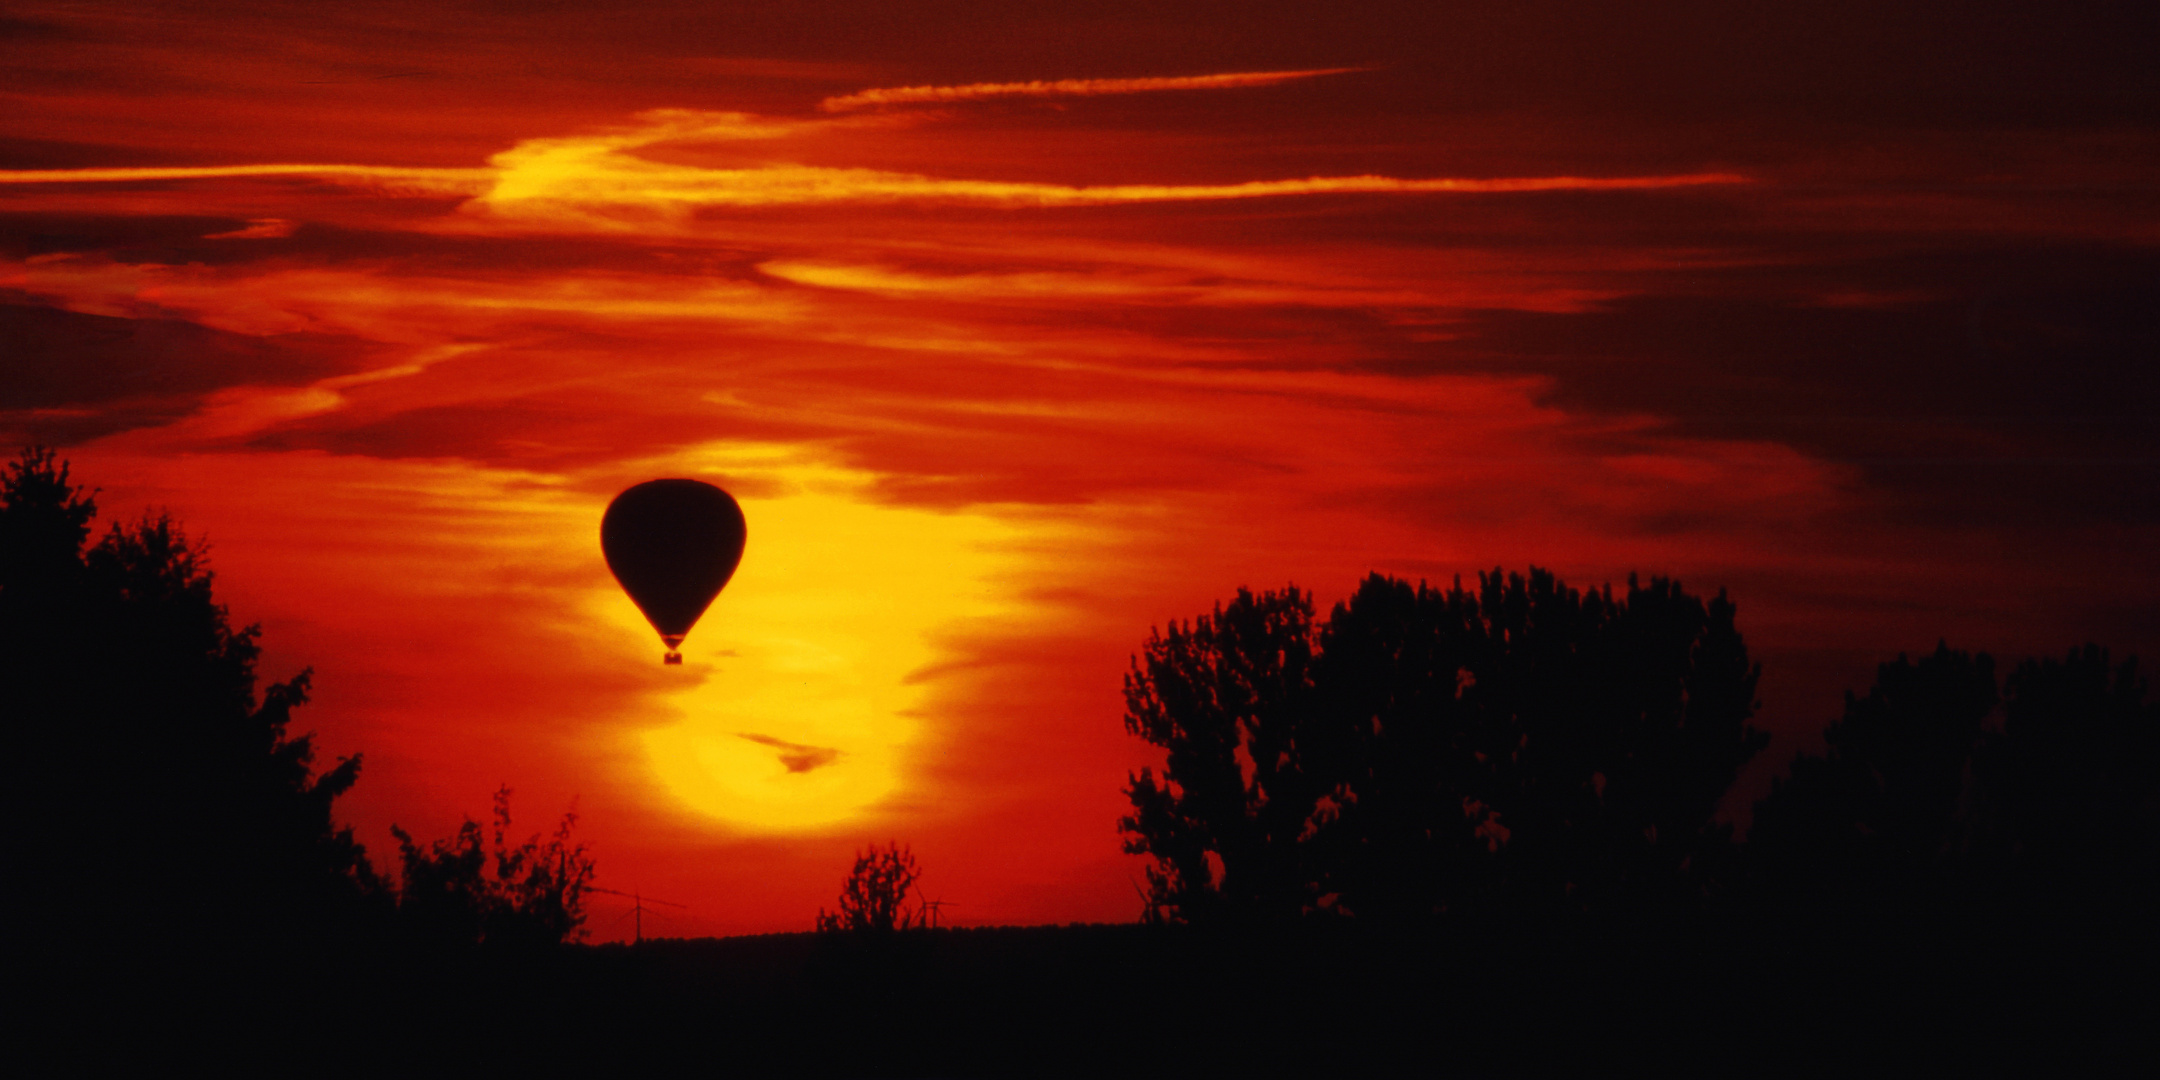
{"points": [[874, 899], [465, 892], [151, 791], [1230, 698], [1915, 792], [2070, 787], [1432, 750], [1884, 798], [1411, 836]]}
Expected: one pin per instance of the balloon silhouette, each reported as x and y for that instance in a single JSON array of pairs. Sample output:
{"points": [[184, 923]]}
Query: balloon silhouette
{"points": [[672, 545]]}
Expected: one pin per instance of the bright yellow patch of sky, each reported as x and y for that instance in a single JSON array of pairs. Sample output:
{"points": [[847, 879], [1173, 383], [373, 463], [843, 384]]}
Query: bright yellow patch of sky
{"points": [[836, 603]]}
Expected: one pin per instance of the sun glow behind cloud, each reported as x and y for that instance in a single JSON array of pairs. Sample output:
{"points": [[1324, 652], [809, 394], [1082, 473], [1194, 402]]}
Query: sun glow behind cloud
{"points": [[1002, 381], [846, 590], [835, 607]]}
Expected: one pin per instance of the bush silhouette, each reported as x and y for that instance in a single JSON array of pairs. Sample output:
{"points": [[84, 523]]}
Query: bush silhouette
{"points": [[1429, 750], [463, 892], [874, 898]]}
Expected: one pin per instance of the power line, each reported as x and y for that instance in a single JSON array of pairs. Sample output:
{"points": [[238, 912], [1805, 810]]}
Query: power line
{"points": [[933, 906], [638, 902]]}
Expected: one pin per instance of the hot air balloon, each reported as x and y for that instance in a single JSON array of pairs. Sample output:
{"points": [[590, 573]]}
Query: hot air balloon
{"points": [[673, 545]]}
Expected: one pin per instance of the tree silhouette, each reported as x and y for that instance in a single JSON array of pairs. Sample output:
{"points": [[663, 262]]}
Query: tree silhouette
{"points": [[2070, 787], [1884, 799], [1434, 750], [152, 794], [1230, 698], [172, 866], [874, 898], [1917, 796], [463, 892]]}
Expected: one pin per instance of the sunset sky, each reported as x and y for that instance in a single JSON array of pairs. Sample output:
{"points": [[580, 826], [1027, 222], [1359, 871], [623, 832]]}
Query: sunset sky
{"points": [[1019, 330]]}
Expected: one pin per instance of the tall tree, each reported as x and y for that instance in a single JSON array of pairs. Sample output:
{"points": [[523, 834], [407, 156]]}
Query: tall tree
{"points": [[151, 793], [2070, 787], [1434, 750], [1885, 796], [1410, 836], [1230, 699], [1557, 748]]}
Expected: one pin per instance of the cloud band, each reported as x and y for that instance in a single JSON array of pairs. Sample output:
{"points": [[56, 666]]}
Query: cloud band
{"points": [[911, 95]]}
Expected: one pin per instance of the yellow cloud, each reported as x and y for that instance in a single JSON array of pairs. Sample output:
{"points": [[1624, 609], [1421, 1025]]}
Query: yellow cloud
{"points": [[599, 182], [596, 182]]}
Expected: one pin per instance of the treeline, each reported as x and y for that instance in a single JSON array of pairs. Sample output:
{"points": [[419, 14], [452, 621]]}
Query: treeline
{"points": [[159, 805], [1530, 748], [2047, 781]]}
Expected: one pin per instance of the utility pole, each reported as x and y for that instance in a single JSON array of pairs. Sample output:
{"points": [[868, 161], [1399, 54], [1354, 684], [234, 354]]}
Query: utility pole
{"points": [[932, 907], [637, 909]]}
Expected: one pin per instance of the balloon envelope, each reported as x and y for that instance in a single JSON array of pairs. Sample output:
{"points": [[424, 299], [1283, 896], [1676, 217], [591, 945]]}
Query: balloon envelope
{"points": [[672, 544]]}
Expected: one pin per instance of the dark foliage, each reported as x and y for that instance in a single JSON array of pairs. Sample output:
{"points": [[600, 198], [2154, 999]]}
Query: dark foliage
{"points": [[1436, 750], [158, 804], [1883, 799], [152, 795], [874, 898], [2070, 787], [1231, 700], [462, 892], [1920, 788], [173, 869]]}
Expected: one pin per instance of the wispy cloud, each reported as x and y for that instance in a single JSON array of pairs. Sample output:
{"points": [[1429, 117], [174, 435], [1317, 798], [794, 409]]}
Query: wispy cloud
{"points": [[601, 182], [596, 175], [606, 181], [592, 189], [1260, 284], [911, 95], [430, 180]]}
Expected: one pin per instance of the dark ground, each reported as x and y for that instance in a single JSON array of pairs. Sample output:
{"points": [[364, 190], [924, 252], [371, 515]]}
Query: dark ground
{"points": [[1927, 990]]}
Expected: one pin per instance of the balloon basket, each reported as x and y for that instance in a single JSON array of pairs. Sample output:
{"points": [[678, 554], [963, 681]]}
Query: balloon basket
{"points": [[672, 658]]}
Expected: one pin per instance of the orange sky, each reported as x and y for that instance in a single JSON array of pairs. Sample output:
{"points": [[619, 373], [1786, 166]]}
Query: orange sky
{"points": [[1017, 334]]}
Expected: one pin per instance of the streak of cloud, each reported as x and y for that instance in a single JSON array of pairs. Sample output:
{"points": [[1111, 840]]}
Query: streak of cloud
{"points": [[598, 182], [419, 179], [1103, 283], [579, 187], [909, 95]]}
